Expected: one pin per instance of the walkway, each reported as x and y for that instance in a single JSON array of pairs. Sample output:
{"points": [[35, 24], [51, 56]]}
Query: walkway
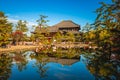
{"points": [[18, 47]]}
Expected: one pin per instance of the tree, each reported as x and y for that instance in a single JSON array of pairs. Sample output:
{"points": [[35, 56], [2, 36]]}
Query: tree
{"points": [[108, 15], [70, 37], [58, 37], [32, 38], [42, 21], [108, 19], [5, 30], [88, 32], [22, 26], [20, 32], [41, 32], [87, 28], [17, 36]]}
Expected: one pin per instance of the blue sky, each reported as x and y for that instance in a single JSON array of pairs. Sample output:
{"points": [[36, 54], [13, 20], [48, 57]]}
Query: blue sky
{"points": [[79, 11]]}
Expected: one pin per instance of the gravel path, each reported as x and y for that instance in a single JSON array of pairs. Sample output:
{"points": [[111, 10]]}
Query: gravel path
{"points": [[18, 47]]}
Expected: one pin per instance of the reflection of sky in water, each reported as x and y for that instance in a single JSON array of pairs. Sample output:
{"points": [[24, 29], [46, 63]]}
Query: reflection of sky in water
{"points": [[56, 71]]}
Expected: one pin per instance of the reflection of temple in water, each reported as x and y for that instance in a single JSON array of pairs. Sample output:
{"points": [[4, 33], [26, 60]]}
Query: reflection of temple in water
{"points": [[63, 61]]}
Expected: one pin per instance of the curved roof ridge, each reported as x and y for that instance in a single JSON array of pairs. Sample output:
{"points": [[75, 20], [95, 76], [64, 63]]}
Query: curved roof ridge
{"points": [[67, 23]]}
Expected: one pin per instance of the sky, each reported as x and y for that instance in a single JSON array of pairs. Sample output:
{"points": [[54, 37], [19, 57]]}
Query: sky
{"points": [[79, 11]]}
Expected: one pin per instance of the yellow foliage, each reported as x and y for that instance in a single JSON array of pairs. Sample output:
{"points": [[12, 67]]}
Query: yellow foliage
{"points": [[104, 34], [104, 71], [91, 35], [91, 69]]}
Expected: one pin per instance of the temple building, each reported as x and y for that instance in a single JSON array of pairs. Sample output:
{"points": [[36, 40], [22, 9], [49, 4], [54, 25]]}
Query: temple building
{"points": [[66, 25]]}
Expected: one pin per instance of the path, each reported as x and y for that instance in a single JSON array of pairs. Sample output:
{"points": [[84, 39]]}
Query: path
{"points": [[18, 47]]}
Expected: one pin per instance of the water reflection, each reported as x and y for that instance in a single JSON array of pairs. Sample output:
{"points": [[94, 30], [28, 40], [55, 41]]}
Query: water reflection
{"points": [[30, 65], [5, 66], [40, 63], [102, 66], [71, 53], [20, 59]]}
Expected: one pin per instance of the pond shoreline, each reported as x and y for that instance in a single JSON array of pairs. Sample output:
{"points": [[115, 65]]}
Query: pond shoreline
{"points": [[18, 47]]}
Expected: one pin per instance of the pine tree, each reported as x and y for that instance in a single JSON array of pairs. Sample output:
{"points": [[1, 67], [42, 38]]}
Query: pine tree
{"points": [[5, 30]]}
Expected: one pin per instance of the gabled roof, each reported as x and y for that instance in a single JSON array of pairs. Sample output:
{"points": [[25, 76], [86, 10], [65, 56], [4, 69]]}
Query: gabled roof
{"points": [[63, 24], [66, 24], [52, 29]]}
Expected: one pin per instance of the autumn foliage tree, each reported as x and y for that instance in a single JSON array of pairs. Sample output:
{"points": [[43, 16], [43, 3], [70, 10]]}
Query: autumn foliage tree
{"points": [[17, 36], [20, 33]]}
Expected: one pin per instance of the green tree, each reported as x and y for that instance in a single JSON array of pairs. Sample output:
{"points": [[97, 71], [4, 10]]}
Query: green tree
{"points": [[87, 28], [58, 37], [32, 38], [20, 32], [41, 32], [70, 37], [5, 30], [22, 26], [108, 18], [88, 33], [42, 21]]}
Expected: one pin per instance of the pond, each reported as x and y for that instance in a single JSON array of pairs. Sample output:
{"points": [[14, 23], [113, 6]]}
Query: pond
{"points": [[28, 65]]}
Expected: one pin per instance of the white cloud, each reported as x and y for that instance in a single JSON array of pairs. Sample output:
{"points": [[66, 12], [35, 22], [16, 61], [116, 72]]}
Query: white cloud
{"points": [[31, 24], [14, 21]]}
